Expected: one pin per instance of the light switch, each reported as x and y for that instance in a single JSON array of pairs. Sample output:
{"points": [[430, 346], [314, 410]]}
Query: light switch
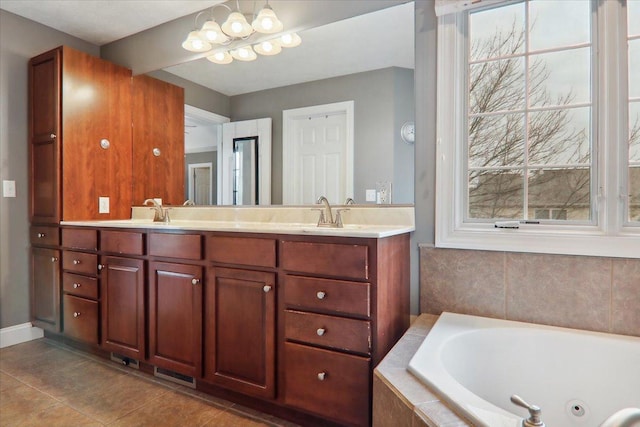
{"points": [[8, 188], [103, 205], [370, 195]]}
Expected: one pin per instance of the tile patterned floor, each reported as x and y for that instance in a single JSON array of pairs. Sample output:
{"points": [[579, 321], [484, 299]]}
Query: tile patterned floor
{"points": [[43, 383]]}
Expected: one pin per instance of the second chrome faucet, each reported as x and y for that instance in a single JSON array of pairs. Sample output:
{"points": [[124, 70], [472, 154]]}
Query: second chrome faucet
{"points": [[326, 216]]}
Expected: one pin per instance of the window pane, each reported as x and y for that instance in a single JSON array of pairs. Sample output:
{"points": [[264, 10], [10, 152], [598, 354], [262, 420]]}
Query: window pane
{"points": [[555, 24], [497, 32], [496, 86], [634, 68], [560, 78], [496, 140], [634, 193], [496, 194], [634, 131], [560, 137], [564, 193], [633, 17]]}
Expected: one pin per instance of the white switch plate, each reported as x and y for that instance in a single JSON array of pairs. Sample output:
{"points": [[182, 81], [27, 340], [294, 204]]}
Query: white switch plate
{"points": [[8, 188], [103, 205], [370, 195]]}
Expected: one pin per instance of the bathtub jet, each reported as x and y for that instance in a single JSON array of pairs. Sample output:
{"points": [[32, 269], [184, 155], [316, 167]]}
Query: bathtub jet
{"points": [[577, 378]]}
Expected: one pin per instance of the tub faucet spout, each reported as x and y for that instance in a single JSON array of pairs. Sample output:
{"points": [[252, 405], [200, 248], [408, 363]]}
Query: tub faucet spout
{"points": [[628, 417], [534, 412]]}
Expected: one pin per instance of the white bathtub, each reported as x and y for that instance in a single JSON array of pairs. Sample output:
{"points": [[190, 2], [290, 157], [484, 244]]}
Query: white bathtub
{"points": [[578, 378]]}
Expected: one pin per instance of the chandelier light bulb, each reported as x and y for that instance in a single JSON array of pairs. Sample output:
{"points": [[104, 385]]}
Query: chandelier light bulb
{"points": [[290, 40], [267, 22], [236, 25], [221, 58], [194, 43], [244, 54], [212, 33], [269, 47]]}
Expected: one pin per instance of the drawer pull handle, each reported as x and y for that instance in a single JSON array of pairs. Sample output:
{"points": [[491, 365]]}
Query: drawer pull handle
{"points": [[76, 314], [76, 285], [266, 288], [321, 331], [195, 281], [54, 259], [76, 261], [100, 266], [322, 376], [41, 235], [52, 136], [321, 295]]}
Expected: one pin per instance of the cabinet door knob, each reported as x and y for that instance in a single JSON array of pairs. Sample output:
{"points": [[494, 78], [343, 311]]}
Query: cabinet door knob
{"points": [[76, 285], [100, 266], [41, 235], [321, 295], [76, 314], [54, 259], [195, 281], [76, 261], [52, 136], [321, 331], [322, 376], [266, 288]]}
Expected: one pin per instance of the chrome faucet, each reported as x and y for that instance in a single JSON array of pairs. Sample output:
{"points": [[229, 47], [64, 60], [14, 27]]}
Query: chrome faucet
{"points": [[627, 417], [188, 202], [326, 217], [160, 214], [350, 201], [534, 412]]}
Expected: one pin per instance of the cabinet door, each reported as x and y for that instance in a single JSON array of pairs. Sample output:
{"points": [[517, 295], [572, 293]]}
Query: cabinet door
{"points": [[123, 319], [45, 288], [175, 317], [240, 330], [44, 137], [158, 123]]}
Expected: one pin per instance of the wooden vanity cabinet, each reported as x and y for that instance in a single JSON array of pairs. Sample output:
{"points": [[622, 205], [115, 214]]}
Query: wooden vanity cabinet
{"points": [[81, 286], [77, 104], [240, 315], [158, 141], [45, 277], [122, 304]]}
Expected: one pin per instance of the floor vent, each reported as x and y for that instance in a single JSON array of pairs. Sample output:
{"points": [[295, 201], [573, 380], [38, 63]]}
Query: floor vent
{"points": [[175, 377], [125, 361]]}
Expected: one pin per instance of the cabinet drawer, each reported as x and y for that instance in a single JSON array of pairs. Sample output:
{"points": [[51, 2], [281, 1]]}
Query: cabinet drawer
{"points": [[81, 286], [42, 235], [330, 259], [326, 294], [122, 242], [242, 250], [328, 331], [80, 238], [327, 383], [185, 246], [81, 319], [80, 262]]}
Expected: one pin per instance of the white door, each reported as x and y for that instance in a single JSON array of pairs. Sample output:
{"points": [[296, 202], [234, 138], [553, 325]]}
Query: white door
{"points": [[318, 153], [200, 183]]}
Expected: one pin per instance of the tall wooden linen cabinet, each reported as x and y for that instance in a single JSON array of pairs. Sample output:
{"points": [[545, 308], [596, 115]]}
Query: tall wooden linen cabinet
{"points": [[86, 162]]}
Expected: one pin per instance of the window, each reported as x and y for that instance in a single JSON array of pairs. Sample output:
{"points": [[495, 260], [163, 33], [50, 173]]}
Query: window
{"points": [[529, 119]]}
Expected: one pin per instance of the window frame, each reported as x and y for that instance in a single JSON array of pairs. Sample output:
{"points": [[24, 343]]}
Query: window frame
{"points": [[609, 233]]}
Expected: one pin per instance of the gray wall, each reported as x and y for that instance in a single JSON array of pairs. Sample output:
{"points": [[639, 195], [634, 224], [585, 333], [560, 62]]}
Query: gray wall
{"points": [[380, 103], [20, 39]]}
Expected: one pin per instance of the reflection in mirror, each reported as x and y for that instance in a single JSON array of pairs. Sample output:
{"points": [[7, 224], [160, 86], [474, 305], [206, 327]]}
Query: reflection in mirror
{"points": [[245, 171]]}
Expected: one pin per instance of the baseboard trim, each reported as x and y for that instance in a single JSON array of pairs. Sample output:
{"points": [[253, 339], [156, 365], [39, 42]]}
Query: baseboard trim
{"points": [[17, 334]]}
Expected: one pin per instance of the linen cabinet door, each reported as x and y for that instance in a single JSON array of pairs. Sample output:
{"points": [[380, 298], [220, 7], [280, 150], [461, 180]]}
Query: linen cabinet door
{"points": [[45, 288], [123, 315], [175, 317], [240, 333]]}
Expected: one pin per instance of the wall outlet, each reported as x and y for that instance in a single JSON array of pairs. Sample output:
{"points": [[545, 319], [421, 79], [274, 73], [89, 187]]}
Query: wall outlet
{"points": [[8, 188], [103, 205], [383, 192], [370, 195]]}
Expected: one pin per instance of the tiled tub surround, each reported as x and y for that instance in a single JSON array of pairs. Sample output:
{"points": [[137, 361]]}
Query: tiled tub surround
{"points": [[591, 293]]}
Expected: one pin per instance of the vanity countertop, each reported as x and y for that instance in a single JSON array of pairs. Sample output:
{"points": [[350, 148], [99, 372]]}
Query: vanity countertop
{"points": [[359, 221]]}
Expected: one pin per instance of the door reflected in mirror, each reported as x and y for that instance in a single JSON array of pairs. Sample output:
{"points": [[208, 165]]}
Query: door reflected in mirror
{"points": [[245, 171]]}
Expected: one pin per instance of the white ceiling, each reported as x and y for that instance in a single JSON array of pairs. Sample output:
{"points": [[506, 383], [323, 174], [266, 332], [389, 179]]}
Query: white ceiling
{"points": [[376, 40]]}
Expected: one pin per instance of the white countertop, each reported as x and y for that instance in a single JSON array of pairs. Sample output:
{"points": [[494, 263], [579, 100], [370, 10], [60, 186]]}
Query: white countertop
{"points": [[366, 222]]}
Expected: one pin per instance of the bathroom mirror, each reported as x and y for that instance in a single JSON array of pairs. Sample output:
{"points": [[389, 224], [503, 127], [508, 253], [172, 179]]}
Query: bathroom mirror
{"points": [[316, 73], [245, 171]]}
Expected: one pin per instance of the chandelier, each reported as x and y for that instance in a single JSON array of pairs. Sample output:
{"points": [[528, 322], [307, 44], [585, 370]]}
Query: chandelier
{"points": [[236, 29]]}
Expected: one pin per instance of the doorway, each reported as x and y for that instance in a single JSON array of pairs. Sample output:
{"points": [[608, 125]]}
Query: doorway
{"points": [[200, 183], [317, 147]]}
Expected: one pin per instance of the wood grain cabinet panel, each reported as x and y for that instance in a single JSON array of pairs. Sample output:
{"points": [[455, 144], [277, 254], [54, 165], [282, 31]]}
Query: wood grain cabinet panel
{"points": [[122, 242], [248, 251], [183, 246], [81, 319], [79, 285], [123, 306], [330, 384], [45, 288], [240, 337], [44, 236], [80, 262], [331, 259], [328, 295], [80, 238]]}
